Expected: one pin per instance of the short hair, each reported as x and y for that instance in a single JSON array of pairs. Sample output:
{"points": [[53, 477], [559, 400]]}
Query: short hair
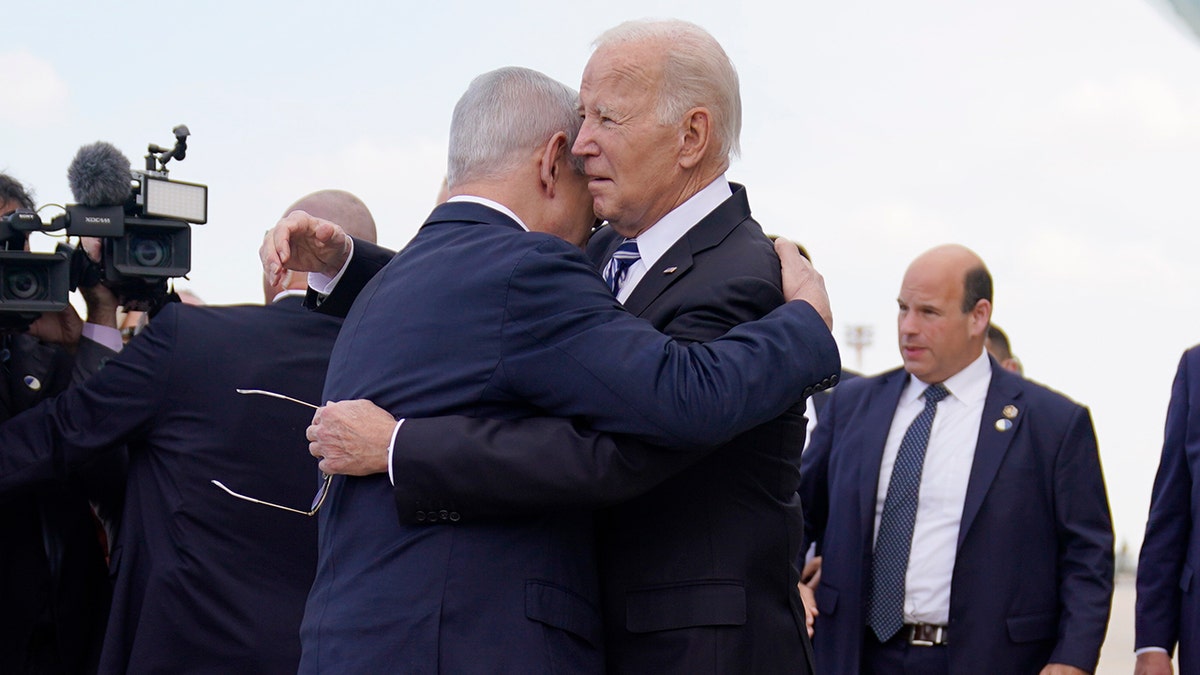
{"points": [[12, 192], [503, 115], [999, 342], [697, 72], [977, 285]]}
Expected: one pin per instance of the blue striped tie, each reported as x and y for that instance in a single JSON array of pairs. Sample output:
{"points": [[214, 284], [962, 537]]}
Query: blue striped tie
{"points": [[618, 267], [885, 615]]}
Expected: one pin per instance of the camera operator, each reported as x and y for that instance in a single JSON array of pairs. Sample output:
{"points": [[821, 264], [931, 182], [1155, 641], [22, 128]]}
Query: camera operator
{"points": [[53, 570]]}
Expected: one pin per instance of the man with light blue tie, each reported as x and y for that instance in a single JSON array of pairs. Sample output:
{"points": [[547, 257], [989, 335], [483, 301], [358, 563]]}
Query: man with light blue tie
{"points": [[960, 509]]}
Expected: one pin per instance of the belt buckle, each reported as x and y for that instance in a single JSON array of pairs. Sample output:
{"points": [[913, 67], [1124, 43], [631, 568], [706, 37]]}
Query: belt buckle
{"points": [[926, 635]]}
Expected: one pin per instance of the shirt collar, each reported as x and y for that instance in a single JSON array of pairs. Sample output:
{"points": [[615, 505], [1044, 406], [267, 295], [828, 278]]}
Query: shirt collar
{"points": [[968, 385], [484, 201], [660, 236]]}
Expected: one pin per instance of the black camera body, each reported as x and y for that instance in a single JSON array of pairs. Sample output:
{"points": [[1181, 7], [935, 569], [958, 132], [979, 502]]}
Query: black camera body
{"points": [[30, 283], [143, 218]]}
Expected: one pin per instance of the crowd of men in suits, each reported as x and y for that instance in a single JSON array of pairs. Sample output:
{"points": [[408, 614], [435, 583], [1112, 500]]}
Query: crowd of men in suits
{"points": [[547, 446]]}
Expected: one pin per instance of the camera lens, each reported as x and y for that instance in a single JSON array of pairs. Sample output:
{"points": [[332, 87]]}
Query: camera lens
{"points": [[150, 250], [24, 284]]}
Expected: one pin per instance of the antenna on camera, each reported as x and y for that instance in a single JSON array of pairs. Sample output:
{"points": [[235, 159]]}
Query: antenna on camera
{"points": [[157, 160]]}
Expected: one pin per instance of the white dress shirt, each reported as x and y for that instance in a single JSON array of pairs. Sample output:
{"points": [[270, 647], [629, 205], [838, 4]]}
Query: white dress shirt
{"points": [[656, 239], [948, 459]]}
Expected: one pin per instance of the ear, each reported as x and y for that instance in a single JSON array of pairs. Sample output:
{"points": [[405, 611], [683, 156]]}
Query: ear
{"points": [[981, 316], [550, 165], [697, 136]]}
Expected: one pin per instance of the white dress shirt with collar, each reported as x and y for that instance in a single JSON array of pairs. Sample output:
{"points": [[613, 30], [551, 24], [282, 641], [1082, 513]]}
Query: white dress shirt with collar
{"points": [[948, 459], [654, 241]]}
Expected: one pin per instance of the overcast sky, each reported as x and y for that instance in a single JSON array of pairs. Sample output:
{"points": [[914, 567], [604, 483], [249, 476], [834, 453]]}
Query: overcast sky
{"points": [[1060, 140]]}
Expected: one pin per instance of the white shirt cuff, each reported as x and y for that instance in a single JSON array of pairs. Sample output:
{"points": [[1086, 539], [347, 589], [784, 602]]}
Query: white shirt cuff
{"points": [[106, 336], [1149, 650], [392, 449], [324, 284]]}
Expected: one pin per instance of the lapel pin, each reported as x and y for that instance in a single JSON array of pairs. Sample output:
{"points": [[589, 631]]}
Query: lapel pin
{"points": [[1010, 411], [670, 270], [33, 383], [1003, 425]]}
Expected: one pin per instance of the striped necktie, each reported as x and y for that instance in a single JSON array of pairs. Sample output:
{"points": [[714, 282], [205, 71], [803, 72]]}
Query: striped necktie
{"points": [[618, 266]]}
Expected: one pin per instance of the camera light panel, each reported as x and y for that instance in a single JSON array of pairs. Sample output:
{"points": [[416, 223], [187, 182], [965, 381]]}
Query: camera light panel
{"points": [[175, 199]]}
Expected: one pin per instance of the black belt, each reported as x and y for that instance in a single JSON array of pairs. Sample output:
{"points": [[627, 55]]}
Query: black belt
{"points": [[924, 634]]}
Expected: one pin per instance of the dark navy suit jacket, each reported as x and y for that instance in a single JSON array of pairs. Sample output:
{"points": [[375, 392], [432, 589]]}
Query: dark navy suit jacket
{"points": [[203, 582], [696, 572], [1168, 598], [1033, 572], [476, 317]]}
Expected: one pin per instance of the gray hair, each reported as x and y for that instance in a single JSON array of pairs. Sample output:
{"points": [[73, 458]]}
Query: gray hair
{"points": [[503, 115], [697, 73]]}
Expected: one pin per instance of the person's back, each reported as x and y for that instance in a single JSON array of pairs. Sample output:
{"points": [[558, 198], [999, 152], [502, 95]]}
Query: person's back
{"points": [[204, 580]]}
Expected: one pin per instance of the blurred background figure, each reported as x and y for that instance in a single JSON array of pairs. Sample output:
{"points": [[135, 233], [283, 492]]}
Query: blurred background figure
{"points": [[997, 345], [1168, 592]]}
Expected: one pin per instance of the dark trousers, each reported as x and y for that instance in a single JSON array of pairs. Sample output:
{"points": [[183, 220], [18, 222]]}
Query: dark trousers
{"points": [[897, 657]]}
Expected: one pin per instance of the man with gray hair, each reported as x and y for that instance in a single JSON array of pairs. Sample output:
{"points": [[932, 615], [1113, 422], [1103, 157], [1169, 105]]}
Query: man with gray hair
{"points": [[697, 573], [477, 318]]}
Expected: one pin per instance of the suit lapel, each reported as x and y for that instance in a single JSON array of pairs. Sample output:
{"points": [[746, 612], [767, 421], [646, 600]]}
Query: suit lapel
{"points": [[993, 443], [677, 260], [881, 408]]}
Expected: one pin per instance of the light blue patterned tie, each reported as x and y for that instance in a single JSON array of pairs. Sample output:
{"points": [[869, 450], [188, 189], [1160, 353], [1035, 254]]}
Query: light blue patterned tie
{"points": [[618, 267], [885, 615]]}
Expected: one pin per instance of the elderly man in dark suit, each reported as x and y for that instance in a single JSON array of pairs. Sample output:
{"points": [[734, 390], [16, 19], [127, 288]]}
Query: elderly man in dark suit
{"points": [[477, 318], [960, 508], [1168, 601], [697, 572], [204, 582]]}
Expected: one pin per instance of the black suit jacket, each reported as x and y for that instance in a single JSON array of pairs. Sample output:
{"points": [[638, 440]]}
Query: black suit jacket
{"points": [[697, 573], [204, 582], [53, 575]]}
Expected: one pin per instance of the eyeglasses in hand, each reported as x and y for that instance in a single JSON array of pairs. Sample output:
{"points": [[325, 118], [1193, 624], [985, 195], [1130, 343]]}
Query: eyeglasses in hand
{"points": [[317, 501]]}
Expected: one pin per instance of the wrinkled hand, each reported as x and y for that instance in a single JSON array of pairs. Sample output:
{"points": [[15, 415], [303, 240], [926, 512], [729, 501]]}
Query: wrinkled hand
{"points": [[303, 243], [1153, 663], [801, 281], [1061, 669], [351, 438]]}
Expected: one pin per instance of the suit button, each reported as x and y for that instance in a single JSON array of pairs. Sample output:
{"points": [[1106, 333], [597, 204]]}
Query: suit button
{"points": [[420, 516], [454, 517], [444, 515], [808, 391], [833, 379]]}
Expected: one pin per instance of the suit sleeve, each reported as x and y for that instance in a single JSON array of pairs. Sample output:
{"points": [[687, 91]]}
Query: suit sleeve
{"points": [[89, 358], [366, 262], [497, 468], [1170, 523], [1085, 546], [68, 432], [734, 302]]}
